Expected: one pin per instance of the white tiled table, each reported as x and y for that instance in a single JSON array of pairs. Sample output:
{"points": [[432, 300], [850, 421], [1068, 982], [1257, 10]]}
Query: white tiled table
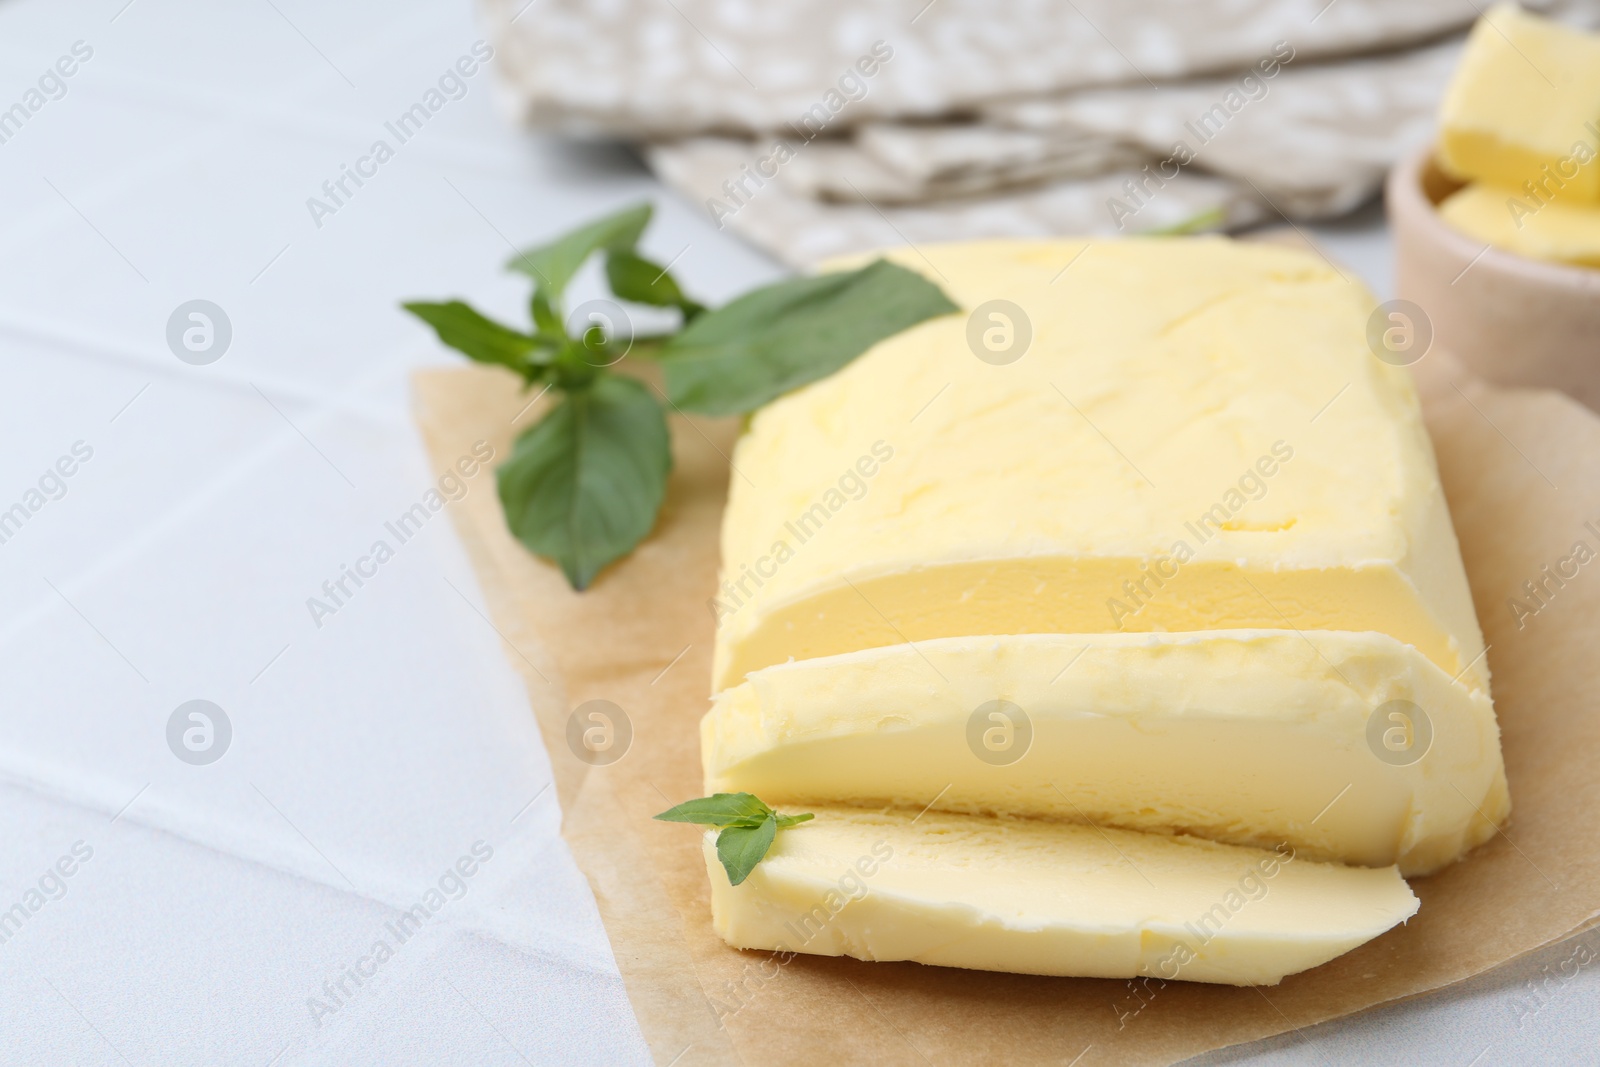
{"points": [[372, 752]]}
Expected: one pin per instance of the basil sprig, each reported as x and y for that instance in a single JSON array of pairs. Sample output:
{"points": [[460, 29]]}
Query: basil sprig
{"points": [[584, 484], [748, 828]]}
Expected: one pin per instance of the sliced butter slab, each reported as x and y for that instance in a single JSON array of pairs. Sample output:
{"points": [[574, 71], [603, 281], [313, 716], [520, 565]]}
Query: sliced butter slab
{"points": [[1038, 897], [1524, 106], [1348, 746], [1195, 436], [1559, 231]]}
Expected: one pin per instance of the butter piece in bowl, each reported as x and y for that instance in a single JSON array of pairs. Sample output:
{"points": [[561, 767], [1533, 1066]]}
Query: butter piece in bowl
{"points": [[1497, 225], [1560, 231], [1523, 110]]}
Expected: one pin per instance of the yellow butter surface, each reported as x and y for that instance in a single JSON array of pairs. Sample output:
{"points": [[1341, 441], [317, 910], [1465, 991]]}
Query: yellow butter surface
{"points": [[1045, 898], [1523, 109], [1348, 746], [1141, 436], [1558, 231]]}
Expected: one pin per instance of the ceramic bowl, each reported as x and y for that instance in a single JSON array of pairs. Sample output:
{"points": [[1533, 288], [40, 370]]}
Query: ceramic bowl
{"points": [[1511, 320]]}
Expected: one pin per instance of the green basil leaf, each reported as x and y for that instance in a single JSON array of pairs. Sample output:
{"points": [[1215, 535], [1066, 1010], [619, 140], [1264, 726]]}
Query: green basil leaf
{"points": [[583, 484], [552, 265], [767, 342], [740, 848], [719, 809], [483, 339], [545, 320], [632, 277], [1210, 219], [748, 827]]}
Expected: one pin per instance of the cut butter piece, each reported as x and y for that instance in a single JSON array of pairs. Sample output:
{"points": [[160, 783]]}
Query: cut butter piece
{"points": [[1193, 435], [1560, 231], [1037, 897], [1524, 106], [1348, 746]]}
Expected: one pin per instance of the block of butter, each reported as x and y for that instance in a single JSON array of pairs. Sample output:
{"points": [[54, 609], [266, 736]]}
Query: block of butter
{"points": [[1347, 746], [1049, 898], [1110, 595], [1559, 230], [1152, 435], [1523, 110]]}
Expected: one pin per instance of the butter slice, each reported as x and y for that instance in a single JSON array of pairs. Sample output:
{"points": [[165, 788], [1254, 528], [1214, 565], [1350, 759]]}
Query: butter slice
{"points": [[1559, 231], [1047, 898], [1250, 737], [1175, 392], [1524, 106]]}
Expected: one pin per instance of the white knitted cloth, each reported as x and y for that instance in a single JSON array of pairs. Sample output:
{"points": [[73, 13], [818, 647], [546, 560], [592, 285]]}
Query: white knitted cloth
{"points": [[833, 126]]}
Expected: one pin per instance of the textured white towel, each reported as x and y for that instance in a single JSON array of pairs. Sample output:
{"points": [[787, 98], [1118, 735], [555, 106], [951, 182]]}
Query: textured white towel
{"points": [[827, 127]]}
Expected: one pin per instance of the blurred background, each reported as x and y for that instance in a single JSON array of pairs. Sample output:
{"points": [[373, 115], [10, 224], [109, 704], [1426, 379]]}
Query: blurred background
{"points": [[290, 171]]}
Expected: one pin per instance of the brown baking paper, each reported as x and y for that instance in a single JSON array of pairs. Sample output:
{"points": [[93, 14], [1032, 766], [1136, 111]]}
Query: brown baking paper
{"points": [[1522, 474]]}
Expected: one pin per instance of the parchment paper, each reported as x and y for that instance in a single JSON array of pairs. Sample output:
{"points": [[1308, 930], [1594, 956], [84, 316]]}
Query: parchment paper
{"points": [[1522, 473]]}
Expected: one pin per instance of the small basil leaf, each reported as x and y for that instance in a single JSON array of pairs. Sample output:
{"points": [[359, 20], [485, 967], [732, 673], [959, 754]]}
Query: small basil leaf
{"points": [[740, 848], [545, 320], [583, 484], [1210, 219], [483, 339], [786, 821], [552, 265], [632, 277], [767, 342], [719, 809]]}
